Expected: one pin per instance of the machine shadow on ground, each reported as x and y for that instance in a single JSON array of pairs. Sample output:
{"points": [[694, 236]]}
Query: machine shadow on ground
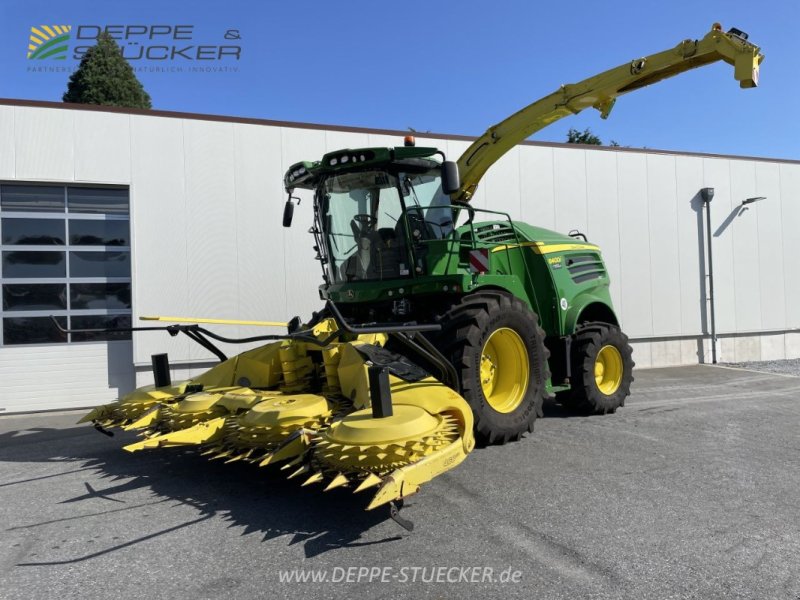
{"points": [[259, 500]]}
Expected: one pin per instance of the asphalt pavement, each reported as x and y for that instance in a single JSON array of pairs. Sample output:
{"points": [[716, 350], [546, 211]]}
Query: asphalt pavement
{"points": [[690, 491]]}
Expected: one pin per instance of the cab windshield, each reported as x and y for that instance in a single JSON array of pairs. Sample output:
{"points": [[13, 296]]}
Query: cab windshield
{"points": [[365, 230]]}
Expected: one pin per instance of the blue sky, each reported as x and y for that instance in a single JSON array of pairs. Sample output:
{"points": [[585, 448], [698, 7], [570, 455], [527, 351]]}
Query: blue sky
{"points": [[448, 66]]}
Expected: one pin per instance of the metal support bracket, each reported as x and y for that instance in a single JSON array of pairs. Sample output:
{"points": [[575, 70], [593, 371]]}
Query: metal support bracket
{"points": [[379, 393], [394, 514], [161, 373]]}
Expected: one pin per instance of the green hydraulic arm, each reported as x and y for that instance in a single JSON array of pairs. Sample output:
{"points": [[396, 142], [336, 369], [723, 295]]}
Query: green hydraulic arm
{"points": [[601, 91]]}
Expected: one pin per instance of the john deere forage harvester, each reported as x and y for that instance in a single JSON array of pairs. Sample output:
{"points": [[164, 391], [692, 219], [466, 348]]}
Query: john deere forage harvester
{"points": [[443, 323]]}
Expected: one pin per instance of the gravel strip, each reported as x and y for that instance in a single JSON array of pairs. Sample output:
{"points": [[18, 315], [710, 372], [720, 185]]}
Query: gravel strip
{"points": [[783, 367]]}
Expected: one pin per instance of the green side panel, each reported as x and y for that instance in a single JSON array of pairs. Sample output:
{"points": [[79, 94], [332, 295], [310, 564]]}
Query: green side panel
{"points": [[556, 275], [560, 275]]}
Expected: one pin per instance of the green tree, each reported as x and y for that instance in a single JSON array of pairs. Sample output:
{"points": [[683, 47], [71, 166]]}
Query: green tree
{"points": [[105, 77], [583, 137]]}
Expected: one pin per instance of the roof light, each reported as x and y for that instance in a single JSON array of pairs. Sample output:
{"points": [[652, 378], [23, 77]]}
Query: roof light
{"points": [[409, 141]]}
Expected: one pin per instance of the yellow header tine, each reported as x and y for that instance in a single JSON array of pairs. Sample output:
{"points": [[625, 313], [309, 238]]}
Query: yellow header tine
{"points": [[337, 481], [300, 471], [292, 463], [370, 481], [216, 321], [313, 479], [289, 449]]}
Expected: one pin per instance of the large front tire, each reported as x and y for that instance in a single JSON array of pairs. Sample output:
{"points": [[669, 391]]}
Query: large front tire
{"points": [[602, 370], [497, 347]]}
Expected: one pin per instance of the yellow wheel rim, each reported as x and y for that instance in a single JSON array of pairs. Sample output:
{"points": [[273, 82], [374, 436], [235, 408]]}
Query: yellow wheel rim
{"points": [[504, 370], [608, 370]]}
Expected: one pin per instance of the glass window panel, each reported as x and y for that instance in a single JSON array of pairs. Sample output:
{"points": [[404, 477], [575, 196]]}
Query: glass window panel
{"points": [[98, 233], [100, 322], [25, 263], [33, 330], [38, 232], [97, 200], [41, 296], [100, 295], [99, 264], [32, 198]]}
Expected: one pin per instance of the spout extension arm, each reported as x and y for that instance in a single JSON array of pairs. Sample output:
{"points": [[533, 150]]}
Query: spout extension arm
{"points": [[601, 91]]}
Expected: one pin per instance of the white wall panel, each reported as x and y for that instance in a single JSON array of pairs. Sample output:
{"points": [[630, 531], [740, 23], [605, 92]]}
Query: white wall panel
{"points": [[603, 213], [60, 376], [746, 348], [665, 353], [691, 351], [502, 187], [690, 246], [44, 144], [158, 231], [380, 140], [792, 341], [261, 292], [7, 150], [338, 140], [726, 351], [420, 140], [642, 354], [211, 224], [569, 170], [636, 312], [773, 346], [102, 147], [770, 246], [664, 263], [537, 186], [790, 217], [743, 231], [716, 174], [302, 272], [453, 149]]}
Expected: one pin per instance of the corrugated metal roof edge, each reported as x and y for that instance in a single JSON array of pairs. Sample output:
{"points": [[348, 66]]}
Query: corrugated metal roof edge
{"points": [[319, 126]]}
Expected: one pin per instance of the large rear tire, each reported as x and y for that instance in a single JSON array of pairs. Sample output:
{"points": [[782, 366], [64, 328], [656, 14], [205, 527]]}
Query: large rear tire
{"points": [[602, 370], [497, 347]]}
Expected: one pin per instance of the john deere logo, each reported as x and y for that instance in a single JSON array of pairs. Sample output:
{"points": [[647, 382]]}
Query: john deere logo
{"points": [[49, 41]]}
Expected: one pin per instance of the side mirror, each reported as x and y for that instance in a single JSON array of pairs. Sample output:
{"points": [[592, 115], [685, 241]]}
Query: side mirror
{"points": [[451, 181], [288, 213]]}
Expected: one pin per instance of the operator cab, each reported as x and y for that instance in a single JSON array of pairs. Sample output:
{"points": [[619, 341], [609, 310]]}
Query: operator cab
{"points": [[371, 218], [375, 209]]}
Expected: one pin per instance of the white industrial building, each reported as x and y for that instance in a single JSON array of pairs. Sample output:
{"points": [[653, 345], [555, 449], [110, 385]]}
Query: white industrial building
{"points": [[109, 214]]}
